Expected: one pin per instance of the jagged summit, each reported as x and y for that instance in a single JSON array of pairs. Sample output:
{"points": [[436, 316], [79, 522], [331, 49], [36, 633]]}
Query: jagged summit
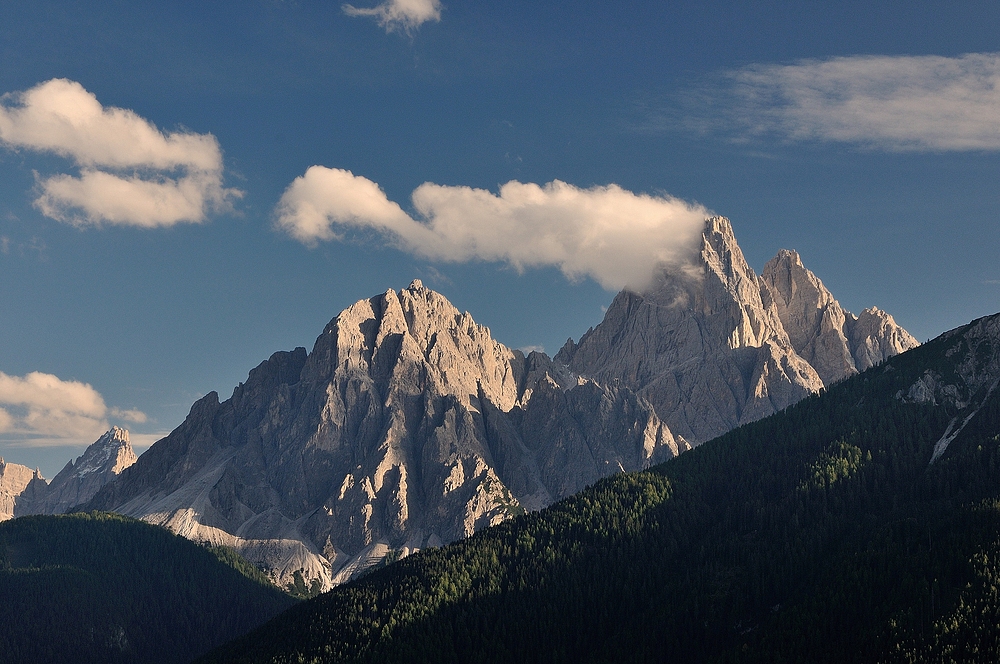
{"points": [[834, 341], [406, 426], [112, 452], [715, 346], [79, 480]]}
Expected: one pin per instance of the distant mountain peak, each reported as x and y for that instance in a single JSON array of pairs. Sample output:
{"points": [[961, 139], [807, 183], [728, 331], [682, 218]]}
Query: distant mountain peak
{"points": [[80, 479], [788, 255], [111, 452]]}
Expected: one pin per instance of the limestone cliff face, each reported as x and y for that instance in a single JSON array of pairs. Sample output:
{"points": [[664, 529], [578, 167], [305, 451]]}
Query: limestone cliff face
{"points": [[406, 426], [834, 341], [716, 346], [14, 479]]}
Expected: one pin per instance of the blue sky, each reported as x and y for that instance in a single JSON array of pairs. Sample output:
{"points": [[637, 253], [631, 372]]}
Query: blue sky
{"points": [[159, 251]]}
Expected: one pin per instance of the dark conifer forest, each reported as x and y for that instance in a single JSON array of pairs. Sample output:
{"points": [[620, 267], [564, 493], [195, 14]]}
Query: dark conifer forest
{"points": [[822, 534], [97, 587]]}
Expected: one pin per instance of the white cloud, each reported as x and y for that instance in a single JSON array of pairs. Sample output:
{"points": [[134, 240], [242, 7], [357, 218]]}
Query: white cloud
{"points": [[405, 15], [129, 415], [897, 103], [617, 237], [130, 200], [131, 173], [40, 409]]}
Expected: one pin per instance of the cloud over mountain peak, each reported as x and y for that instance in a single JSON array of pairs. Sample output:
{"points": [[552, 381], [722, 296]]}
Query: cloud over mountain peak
{"points": [[617, 237]]}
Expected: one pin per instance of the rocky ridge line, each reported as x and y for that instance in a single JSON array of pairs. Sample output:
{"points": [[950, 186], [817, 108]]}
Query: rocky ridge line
{"points": [[834, 341]]}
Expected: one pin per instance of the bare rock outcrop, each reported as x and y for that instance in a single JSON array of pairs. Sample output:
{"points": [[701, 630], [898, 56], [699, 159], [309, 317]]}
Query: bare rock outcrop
{"points": [[834, 341], [81, 479], [705, 346], [407, 426], [715, 346], [967, 378], [875, 337], [14, 479]]}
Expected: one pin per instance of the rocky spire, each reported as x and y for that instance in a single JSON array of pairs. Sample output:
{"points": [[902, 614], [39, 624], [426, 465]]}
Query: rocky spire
{"points": [[714, 346], [704, 345], [81, 479], [834, 341]]}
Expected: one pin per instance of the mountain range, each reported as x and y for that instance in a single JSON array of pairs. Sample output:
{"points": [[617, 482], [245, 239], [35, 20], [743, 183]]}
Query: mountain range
{"points": [[858, 525], [408, 426]]}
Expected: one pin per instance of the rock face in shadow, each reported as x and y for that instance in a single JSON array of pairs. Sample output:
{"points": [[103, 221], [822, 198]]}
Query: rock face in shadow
{"points": [[966, 381], [406, 426], [716, 346]]}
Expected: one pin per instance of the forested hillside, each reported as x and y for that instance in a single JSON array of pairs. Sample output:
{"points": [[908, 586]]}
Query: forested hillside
{"points": [[104, 588], [820, 534]]}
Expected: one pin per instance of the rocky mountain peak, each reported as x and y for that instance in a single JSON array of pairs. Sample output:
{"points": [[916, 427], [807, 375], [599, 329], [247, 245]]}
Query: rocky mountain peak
{"points": [[792, 283], [814, 321], [718, 235], [834, 341], [111, 453], [875, 337], [713, 345], [418, 329], [81, 479], [406, 426]]}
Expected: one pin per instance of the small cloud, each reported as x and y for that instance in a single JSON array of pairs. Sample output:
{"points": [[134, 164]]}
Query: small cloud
{"points": [[619, 238], [35, 246], [131, 415], [42, 410], [4, 244], [893, 103], [992, 282], [435, 276], [403, 15], [130, 173], [532, 349]]}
